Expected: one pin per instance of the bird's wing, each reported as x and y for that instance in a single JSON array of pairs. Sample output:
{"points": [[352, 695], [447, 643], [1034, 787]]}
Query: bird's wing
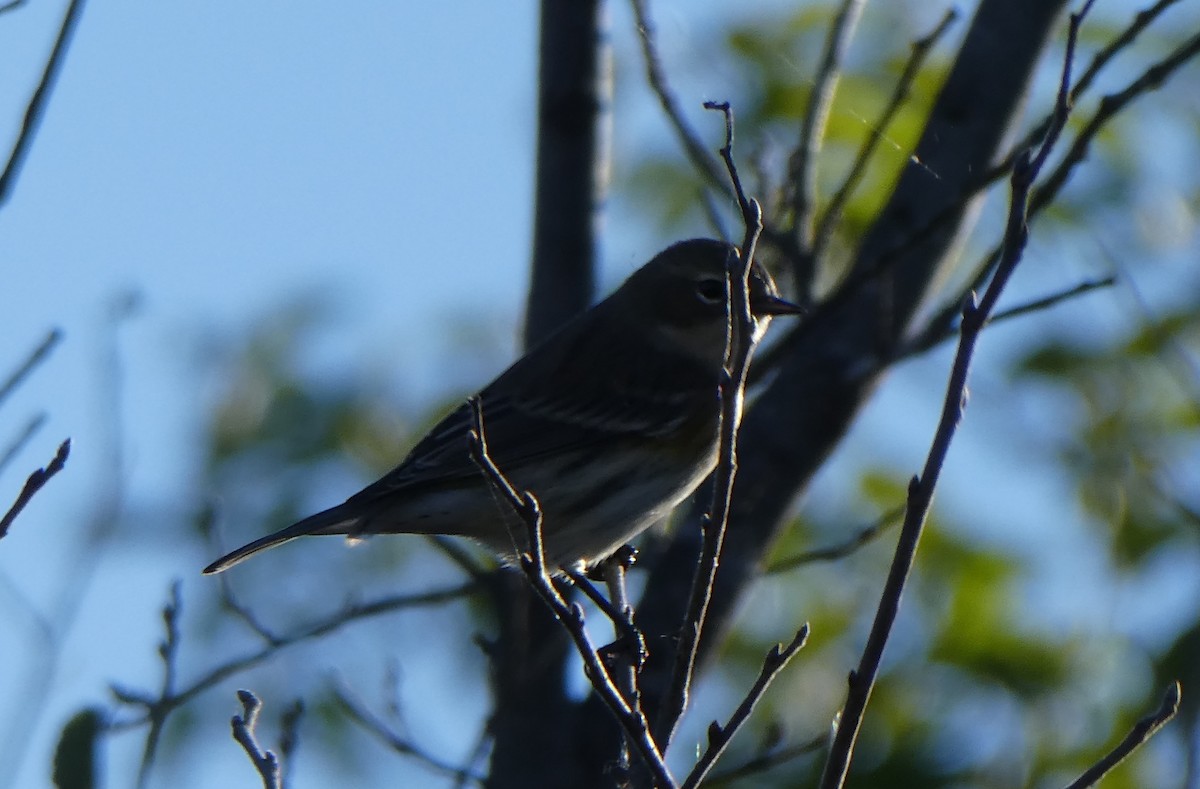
{"points": [[593, 398]]}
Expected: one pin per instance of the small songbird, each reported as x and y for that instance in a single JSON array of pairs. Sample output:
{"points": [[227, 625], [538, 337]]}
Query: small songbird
{"points": [[610, 422]]}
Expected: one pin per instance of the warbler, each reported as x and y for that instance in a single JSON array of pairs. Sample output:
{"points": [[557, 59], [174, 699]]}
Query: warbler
{"points": [[610, 422]]}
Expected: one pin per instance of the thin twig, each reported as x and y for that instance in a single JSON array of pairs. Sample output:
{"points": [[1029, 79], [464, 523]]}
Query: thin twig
{"points": [[802, 168], [1110, 106], [37, 102], [921, 489], [360, 714], [35, 482], [455, 552], [168, 652], [840, 550], [1122, 40], [467, 770], [837, 204], [289, 738], [767, 761], [570, 615], [264, 761], [720, 736], [22, 440], [701, 159], [350, 613], [35, 358], [943, 325], [12, 5], [739, 348], [627, 654], [1143, 730]]}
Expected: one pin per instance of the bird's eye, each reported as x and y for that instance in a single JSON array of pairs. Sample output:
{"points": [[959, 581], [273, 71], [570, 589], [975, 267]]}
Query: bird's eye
{"points": [[711, 291]]}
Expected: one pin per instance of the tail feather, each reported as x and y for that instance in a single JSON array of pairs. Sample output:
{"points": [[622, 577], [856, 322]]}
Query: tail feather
{"points": [[331, 521]]}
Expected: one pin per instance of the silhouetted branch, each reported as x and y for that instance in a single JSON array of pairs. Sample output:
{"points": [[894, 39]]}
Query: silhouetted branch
{"points": [[837, 204], [768, 760], [360, 714], [943, 325], [344, 616], [1122, 40], [265, 762], [526, 507], [1142, 731], [841, 550], [739, 348], [802, 168], [35, 482], [720, 736], [37, 102], [920, 491], [35, 358], [156, 710], [696, 151], [22, 440], [289, 738]]}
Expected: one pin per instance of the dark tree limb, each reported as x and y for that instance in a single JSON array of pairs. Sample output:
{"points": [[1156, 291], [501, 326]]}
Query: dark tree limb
{"points": [[531, 723], [574, 90]]}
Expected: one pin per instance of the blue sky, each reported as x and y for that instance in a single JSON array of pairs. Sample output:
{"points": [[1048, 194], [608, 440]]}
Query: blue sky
{"points": [[218, 159]]}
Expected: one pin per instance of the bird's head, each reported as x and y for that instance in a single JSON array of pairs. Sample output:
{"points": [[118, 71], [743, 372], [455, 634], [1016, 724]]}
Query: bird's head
{"points": [[680, 298]]}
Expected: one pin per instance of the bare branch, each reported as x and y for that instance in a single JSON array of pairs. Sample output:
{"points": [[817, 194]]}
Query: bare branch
{"points": [[841, 550], [943, 325], [719, 736], [921, 489], [1111, 105], [837, 204], [31, 363], [243, 732], [37, 102], [349, 613], [22, 440], [526, 506], [289, 737], [739, 348], [766, 761], [802, 169], [360, 714], [35, 482], [1122, 40], [156, 711], [697, 153], [1142, 731]]}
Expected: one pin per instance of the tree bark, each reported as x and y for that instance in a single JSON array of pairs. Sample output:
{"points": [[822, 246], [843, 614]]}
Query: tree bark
{"points": [[532, 725]]}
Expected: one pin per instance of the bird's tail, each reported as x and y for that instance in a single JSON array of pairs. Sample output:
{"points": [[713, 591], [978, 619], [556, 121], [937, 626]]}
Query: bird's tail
{"points": [[332, 521]]}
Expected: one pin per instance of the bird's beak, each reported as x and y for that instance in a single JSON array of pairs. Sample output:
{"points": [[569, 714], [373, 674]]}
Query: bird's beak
{"points": [[770, 304]]}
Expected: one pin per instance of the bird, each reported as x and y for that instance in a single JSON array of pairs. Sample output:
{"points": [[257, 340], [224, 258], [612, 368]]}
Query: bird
{"points": [[611, 422]]}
